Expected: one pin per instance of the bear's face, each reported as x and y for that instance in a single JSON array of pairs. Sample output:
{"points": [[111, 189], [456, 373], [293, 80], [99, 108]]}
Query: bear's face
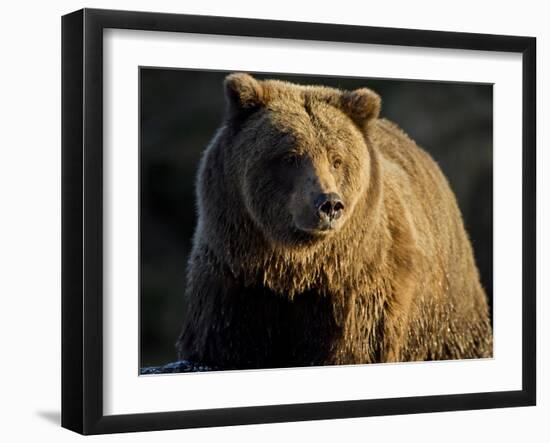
{"points": [[303, 153], [306, 173]]}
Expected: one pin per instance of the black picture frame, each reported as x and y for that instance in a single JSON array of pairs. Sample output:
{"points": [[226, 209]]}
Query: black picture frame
{"points": [[82, 220]]}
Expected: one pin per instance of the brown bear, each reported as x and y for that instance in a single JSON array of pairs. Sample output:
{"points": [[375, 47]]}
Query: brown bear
{"points": [[325, 235]]}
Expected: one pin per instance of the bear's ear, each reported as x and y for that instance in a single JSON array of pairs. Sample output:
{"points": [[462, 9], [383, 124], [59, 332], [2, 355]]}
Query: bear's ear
{"points": [[243, 92], [362, 105]]}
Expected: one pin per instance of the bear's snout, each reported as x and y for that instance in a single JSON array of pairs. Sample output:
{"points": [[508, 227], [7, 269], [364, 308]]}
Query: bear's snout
{"points": [[329, 207]]}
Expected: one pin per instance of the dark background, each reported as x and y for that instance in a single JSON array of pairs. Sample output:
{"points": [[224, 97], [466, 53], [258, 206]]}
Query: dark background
{"points": [[179, 113]]}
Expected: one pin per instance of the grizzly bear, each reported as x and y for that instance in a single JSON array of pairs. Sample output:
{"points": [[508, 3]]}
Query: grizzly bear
{"points": [[325, 236]]}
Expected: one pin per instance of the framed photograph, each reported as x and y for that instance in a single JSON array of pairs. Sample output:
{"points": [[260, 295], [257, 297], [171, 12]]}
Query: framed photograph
{"points": [[269, 221]]}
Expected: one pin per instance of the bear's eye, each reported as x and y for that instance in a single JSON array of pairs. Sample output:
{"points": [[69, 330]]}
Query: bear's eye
{"points": [[336, 163], [291, 159]]}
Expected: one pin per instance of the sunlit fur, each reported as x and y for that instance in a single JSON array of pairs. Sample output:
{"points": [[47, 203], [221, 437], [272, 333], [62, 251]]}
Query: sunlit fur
{"points": [[394, 281]]}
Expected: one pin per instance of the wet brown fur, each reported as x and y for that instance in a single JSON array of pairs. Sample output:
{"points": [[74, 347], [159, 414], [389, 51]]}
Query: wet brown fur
{"points": [[396, 282]]}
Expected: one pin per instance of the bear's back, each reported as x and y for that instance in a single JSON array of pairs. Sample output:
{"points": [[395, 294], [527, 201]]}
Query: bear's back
{"points": [[413, 174], [445, 262]]}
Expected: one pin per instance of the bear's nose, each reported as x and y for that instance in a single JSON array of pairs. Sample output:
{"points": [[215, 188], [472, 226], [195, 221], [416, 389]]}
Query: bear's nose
{"points": [[329, 206]]}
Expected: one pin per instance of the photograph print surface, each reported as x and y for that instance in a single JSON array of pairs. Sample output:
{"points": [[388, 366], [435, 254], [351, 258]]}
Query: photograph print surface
{"points": [[296, 220]]}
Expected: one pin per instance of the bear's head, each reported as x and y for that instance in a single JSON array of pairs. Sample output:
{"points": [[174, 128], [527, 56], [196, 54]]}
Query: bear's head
{"points": [[299, 155]]}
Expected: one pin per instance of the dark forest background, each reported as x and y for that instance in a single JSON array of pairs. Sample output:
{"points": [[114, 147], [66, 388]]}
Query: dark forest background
{"points": [[181, 109]]}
